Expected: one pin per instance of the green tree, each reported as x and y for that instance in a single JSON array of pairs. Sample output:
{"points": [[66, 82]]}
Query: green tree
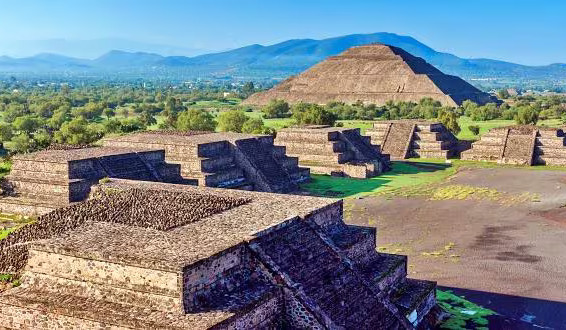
{"points": [[314, 114], [503, 94], [248, 89], [231, 121], [254, 126], [276, 109], [109, 112], [6, 132], [21, 143], [195, 120], [77, 131], [448, 118], [147, 118], [27, 124], [526, 115]]}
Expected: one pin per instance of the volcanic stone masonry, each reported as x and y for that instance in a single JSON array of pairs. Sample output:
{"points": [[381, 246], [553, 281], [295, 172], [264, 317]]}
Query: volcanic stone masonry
{"points": [[403, 139], [521, 145], [40, 182], [250, 260], [373, 74], [224, 160], [333, 150]]}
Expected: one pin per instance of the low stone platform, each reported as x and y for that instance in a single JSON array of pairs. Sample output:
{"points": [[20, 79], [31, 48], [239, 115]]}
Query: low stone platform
{"points": [[333, 150], [249, 260], [224, 160], [42, 181], [403, 139], [520, 145]]}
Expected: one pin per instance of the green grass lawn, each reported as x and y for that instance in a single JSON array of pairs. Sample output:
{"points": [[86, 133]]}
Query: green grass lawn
{"points": [[485, 126], [403, 174]]}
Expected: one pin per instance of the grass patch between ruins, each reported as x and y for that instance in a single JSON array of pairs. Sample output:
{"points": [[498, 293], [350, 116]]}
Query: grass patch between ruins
{"points": [[9, 223], [427, 178], [464, 314]]}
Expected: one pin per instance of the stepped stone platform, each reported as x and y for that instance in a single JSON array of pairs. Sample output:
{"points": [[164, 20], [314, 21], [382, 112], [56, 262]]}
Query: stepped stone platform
{"points": [[520, 145], [224, 160], [403, 139], [249, 260], [333, 150], [42, 181], [373, 74]]}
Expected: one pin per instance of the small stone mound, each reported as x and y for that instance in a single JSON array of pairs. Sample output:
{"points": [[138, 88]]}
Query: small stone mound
{"points": [[177, 133]]}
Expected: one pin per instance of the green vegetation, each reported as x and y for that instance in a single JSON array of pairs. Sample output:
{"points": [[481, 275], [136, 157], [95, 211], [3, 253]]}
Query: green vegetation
{"points": [[12, 222], [464, 314], [418, 178]]}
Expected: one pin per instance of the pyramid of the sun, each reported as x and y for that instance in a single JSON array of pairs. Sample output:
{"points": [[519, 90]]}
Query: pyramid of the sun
{"points": [[403, 139], [372, 74], [522, 145]]}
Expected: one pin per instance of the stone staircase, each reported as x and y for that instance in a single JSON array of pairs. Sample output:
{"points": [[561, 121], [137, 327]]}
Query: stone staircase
{"points": [[413, 139], [267, 173], [331, 270], [520, 145], [129, 166], [327, 150], [550, 148]]}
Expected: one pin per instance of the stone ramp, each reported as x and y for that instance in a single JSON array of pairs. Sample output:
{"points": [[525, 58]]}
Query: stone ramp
{"points": [[520, 145], [414, 139], [397, 140], [269, 174], [309, 264], [333, 150]]}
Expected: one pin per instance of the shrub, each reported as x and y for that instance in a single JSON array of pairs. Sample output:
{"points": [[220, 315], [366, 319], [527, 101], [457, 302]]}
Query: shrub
{"points": [[194, 120], [527, 115], [314, 114], [276, 109], [232, 121], [475, 129], [449, 118]]}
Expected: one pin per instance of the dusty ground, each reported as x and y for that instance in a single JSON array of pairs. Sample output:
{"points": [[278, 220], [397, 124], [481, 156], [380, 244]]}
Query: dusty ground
{"points": [[510, 258]]}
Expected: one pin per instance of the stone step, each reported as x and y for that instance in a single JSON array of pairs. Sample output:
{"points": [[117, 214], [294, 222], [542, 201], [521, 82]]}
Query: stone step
{"points": [[383, 270], [414, 298], [431, 145], [285, 137], [419, 153], [300, 174], [550, 142], [79, 265], [551, 151], [549, 160], [288, 163], [335, 158], [53, 176], [27, 206], [326, 148], [221, 178], [550, 133], [279, 151], [80, 288], [213, 149], [27, 308]]}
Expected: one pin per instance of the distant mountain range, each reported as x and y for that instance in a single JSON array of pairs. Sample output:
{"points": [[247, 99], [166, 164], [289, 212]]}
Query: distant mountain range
{"points": [[272, 62]]}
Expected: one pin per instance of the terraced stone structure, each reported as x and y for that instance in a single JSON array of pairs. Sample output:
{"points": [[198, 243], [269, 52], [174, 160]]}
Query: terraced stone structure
{"points": [[403, 139], [373, 74], [40, 182], [225, 160], [251, 260], [520, 145], [333, 150]]}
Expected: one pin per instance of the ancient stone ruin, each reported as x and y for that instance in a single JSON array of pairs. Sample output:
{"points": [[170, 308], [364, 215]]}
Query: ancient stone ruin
{"points": [[373, 74], [40, 182], [520, 145], [403, 139], [225, 160], [248, 260], [333, 150]]}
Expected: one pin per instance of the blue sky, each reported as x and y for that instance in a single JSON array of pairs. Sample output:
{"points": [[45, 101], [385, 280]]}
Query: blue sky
{"points": [[522, 31]]}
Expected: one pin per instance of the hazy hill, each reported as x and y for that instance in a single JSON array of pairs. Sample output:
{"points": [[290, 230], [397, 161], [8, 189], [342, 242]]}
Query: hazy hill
{"points": [[277, 61]]}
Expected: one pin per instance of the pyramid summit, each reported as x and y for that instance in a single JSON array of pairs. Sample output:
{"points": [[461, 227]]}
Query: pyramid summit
{"points": [[374, 73]]}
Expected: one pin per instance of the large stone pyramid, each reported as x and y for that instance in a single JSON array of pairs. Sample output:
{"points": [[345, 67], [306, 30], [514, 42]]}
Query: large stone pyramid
{"points": [[373, 74]]}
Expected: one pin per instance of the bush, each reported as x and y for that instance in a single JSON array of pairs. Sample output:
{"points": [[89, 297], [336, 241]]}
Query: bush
{"points": [[232, 121], [475, 129], [194, 120], [314, 114], [276, 109], [449, 118], [254, 126], [527, 115]]}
